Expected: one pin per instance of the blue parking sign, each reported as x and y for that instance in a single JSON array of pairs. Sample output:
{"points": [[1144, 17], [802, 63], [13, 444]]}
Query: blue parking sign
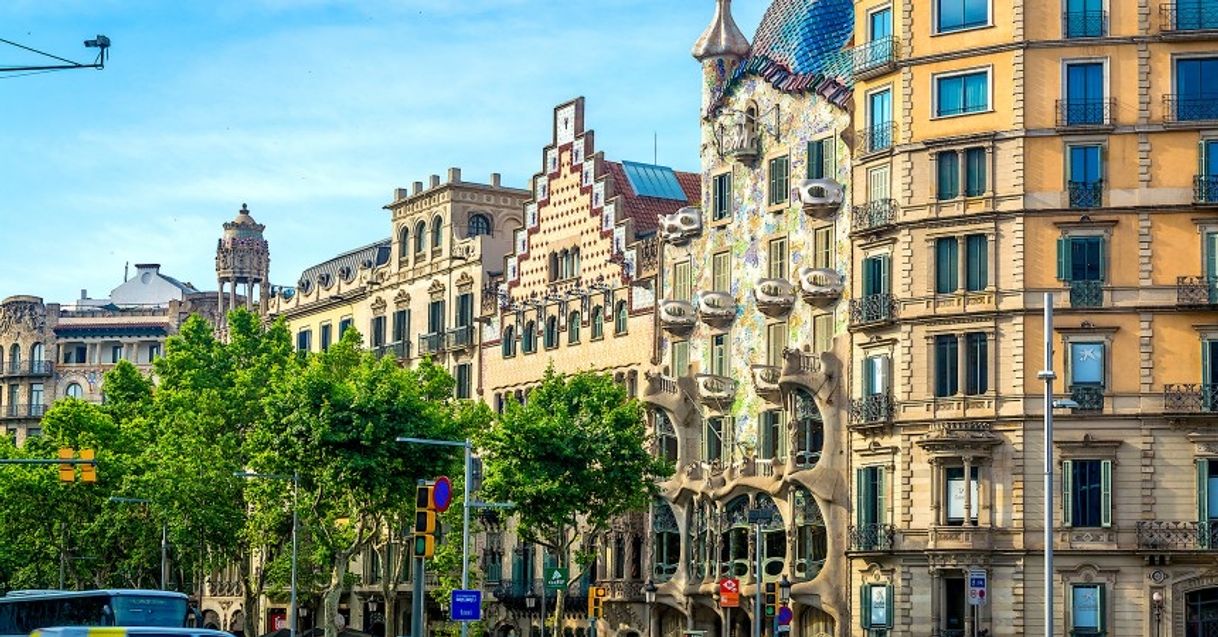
{"points": [[466, 606]]}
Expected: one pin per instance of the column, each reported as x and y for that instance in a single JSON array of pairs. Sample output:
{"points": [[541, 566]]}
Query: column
{"points": [[968, 491], [220, 297], [936, 601], [962, 358], [936, 491], [232, 295]]}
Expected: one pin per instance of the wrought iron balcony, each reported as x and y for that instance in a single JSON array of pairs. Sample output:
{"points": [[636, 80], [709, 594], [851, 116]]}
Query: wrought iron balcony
{"points": [[400, 350], [873, 215], [1086, 194], [1177, 535], [1086, 294], [871, 411], [876, 57], [1085, 113], [17, 410], [1088, 397], [1085, 24], [28, 368], [1189, 15], [871, 309], [460, 337], [1190, 108], [431, 343], [1205, 189], [872, 537], [1190, 398], [876, 138], [1196, 290]]}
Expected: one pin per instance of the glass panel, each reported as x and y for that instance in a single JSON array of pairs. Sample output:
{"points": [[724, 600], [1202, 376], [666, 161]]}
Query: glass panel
{"points": [[974, 167], [977, 262], [880, 108], [947, 265], [1085, 607], [949, 94], [955, 493], [948, 167], [880, 25], [1085, 164], [947, 365], [1087, 363]]}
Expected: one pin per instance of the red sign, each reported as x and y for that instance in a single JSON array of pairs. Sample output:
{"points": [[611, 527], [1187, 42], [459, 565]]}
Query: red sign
{"points": [[729, 593]]}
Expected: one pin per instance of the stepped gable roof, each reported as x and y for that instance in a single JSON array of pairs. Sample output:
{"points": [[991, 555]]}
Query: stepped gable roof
{"points": [[801, 46], [371, 255], [645, 210]]}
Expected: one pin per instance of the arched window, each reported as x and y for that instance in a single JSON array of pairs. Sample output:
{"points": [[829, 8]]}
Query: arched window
{"points": [[699, 558], [479, 224], [14, 358], [773, 538], [36, 353], [74, 390], [598, 323], [437, 232], [809, 430], [403, 241], [619, 318], [553, 266], [575, 262], [552, 332], [811, 537], [509, 341], [420, 237], [528, 338], [734, 539], [573, 328], [667, 545]]}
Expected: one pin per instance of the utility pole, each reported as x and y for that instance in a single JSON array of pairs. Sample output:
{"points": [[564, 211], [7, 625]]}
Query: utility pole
{"points": [[101, 43]]}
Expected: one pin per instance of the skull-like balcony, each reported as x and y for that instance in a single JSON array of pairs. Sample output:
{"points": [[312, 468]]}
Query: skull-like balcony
{"points": [[820, 287], [765, 381], [775, 297], [681, 226], [677, 317], [715, 390], [716, 309], [819, 198]]}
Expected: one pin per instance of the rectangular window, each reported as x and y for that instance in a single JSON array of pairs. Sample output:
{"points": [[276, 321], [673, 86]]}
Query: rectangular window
{"points": [[681, 289], [870, 494], [464, 371], [775, 342], [712, 440], [772, 434], [401, 326], [1207, 494], [36, 395], [954, 477], [378, 331], [154, 352], [875, 275], [821, 159], [1087, 493], [722, 185], [718, 355], [947, 365], [947, 265], [435, 317], [1197, 77], [1086, 364], [976, 262], [875, 374], [777, 268], [962, 94], [955, 15], [1084, 94], [974, 172], [822, 332], [1085, 181], [1084, 18], [302, 340], [116, 353], [780, 180], [721, 272], [465, 309], [879, 24], [344, 324], [976, 363], [879, 121], [822, 248], [680, 358], [947, 166], [1087, 609], [1081, 258], [324, 333]]}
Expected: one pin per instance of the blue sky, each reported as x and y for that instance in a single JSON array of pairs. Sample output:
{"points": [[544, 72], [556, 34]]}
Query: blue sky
{"points": [[310, 111]]}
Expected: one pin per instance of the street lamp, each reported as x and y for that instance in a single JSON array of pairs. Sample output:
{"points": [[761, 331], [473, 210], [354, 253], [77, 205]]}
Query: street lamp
{"points": [[295, 480], [649, 594], [164, 537], [1156, 605], [784, 589]]}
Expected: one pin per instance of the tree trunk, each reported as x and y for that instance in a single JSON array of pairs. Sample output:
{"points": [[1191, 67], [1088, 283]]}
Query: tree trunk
{"points": [[334, 593], [251, 593]]}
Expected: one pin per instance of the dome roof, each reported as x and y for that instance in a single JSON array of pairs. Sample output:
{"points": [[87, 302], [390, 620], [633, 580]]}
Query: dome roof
{"points": [[722, 38]]}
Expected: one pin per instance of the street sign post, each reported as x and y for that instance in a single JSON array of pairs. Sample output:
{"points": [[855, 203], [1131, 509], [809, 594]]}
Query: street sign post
{"points": [[729, 593], [976, 587], [556, 578], [466, 605]]}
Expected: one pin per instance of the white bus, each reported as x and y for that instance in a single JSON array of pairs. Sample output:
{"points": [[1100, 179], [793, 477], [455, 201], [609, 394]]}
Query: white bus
{"points": [[22, 612]]}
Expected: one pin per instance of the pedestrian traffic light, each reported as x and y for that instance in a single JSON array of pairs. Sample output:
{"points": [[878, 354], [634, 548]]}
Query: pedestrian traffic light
{"points": [[425, 522], [771, 599], [596, 601], [88, 472], [67, 471]]}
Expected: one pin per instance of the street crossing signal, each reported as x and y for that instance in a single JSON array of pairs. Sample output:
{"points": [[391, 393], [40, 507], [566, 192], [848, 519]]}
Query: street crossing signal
{"points": [[771, 599], [596, 601], [425, 522], [88, 472], [67, 471]]}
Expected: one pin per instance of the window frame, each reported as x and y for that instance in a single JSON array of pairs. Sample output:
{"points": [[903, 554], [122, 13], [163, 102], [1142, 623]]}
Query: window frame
{"points": [[596, 328], [826, 152], [621, 318], [1101, 610], [721, 180], [935, 78], [823, 247], [946, 352], [778, 195], [777, 269], [675, 358], [937, 27], [941, 161], [1070, 497], [508, 341]]}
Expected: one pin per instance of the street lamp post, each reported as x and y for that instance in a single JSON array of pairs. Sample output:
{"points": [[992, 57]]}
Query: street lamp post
{"points": [[649, 593], [1156, 605], [164, 538], [295, 480]]}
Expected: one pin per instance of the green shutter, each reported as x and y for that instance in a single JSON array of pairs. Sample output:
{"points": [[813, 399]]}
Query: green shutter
{"points": [[816, 160], [1063, 258], [865, 605], [880, 512], [1067, 474], [1103, 259], [1105, 493], [891, 605], [1103, 607], [1211, 254]]}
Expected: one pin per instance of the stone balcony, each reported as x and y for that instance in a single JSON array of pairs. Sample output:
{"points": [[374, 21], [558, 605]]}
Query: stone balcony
{"points": [[820, 287], [819, 198], [765, 381], [669, 393], [677, 317], [775, 297], [960, 538], [717, 309], [715, 390]]}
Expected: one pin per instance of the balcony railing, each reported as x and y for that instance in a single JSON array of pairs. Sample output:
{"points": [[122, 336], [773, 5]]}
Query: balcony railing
{"points": [[1190, 398], [18, 410], [876, 138], [28, 368], [460, 337], [1189, 15], [875, 57], [873, 215], [401, 350], [875, 409], [1086, 194], [873, 308], [872, 537], [1177, 535], [1205, 189], [431, 343], [1085, 24], [1088, 397], [1086, 294], [1196, 290], [1190, 108], [1083, 113]]}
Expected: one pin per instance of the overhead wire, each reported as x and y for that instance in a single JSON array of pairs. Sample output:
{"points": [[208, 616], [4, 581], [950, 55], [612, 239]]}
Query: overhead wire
{"points": [[33, 50]]}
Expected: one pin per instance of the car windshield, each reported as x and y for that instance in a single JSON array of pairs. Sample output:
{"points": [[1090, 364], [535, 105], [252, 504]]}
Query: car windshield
{"points": [[167, 612]]}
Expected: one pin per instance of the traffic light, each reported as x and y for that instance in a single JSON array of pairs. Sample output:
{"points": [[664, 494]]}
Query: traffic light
{"points": [[67, 471], [425, 522], [88, 472], [596, 601], [771, 599]]}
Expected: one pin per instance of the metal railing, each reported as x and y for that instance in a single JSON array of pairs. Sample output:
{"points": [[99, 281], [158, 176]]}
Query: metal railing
{"points": [[1086, 194], [1205, 189], [1190, 108], [28, 368], [1086, 293], [1177, 535], [1190, 398], [460, 337], [872, 537], [1088, 397], [873, 308], [1196, 290], [431, 343], [400, 349], [873, 215], [1085, 24], [871, 410], [876, 56], [877, 137], [18, 410], [1094, 112], [1189, 15]]}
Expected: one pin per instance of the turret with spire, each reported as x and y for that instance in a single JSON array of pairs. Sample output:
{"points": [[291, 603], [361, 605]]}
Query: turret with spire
{"points": [[722, 39], [243, 257]]}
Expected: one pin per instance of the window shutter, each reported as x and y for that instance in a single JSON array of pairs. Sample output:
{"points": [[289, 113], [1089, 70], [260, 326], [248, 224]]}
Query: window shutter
{"points": [[1203, 476], [865, 605], [1206, 377], [1105, 495], [1102, 593], [1202, 168], [860, 495], [1067, 504], [829, 155], [891, 605], [884, 364], [1063, 258], [816, 160], [881, 515], [1103, 258], [885, 263]]}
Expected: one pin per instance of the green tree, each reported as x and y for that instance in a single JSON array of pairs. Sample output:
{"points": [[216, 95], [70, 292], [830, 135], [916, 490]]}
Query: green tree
{"points": [[572, 458]]}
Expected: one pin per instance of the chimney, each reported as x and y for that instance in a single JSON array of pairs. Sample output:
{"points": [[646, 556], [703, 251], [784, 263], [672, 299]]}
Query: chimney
{"points": [[399, 194], [435, 181], [454, 175], [417, 187], [494, 180], [84, 294]]}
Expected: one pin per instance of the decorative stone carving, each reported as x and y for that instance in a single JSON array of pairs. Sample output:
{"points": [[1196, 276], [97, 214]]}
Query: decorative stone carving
{"points": [[716, 309], [820, 286], [820, 198], [401, 299], [378, 305], [677, 316], [681, 226], [775, 297]]}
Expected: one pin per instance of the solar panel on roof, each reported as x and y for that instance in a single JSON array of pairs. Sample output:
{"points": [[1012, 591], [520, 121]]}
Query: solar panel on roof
{"points": [[649, 180]]}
